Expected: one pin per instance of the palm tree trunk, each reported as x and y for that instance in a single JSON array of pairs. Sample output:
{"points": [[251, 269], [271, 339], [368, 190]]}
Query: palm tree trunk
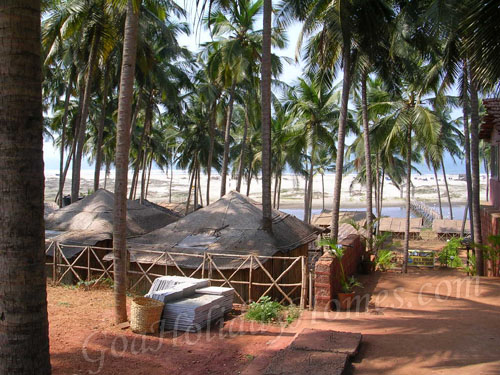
{"points": [[382, 191], [447, 190], [24, 341], [487, 170], [339, 165], [266, 116], [227, 138], [408, 197], [306, 196], [195, 176], [377, 184], [191, 182], [323, 190], [249, 180], [467, 147], [199, 185], [143, 175], [438, 192], [100, 132], [275, 189], [149, 176], [368, 163], [279, 193], [310, 184], [106, 174], [474, 145], [63, 141], [211, 130], [171, 178], [242, 152], [125, 98], [77, 160], [60, 193]]}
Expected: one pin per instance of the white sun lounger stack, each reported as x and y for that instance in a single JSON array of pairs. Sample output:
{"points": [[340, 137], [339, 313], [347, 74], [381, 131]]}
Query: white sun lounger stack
{"points": [[170, 288], [190, 304]]}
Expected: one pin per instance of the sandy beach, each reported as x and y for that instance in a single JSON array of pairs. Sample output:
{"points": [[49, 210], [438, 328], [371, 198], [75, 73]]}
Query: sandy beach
{"points": [[292, 189]]}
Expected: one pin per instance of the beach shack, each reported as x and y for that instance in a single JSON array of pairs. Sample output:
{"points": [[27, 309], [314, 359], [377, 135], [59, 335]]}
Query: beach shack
{"points": [[216, 241], [490, 211], [396, 226], [89, 222], [324, 218]]}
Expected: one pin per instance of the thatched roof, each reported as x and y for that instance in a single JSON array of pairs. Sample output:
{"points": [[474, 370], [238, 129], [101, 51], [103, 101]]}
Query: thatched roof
{"points": [[449, 226], [346, 230], [324, 219], [397, 225], [231, 225], [90, 220]]}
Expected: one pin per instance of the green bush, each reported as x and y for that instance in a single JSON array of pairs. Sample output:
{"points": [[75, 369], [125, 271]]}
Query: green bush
{"points": [[383, 261], [264, 310], [267, 311], [449, 255]]}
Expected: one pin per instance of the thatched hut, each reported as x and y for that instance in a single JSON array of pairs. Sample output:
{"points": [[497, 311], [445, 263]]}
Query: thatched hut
{"points": [[324, 219], [232, 227], [89, 222]]}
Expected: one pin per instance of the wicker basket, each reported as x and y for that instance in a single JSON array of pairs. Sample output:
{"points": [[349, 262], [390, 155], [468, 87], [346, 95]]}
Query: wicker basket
{"points": [[145, 314]]}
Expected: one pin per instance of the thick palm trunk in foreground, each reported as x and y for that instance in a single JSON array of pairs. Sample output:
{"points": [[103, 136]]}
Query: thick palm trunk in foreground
{"points": [[266, 116], [122, 150], [24, 342]]}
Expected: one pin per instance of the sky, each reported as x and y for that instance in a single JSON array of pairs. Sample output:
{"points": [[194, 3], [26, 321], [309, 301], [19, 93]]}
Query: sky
{"points": [[290, 74]]}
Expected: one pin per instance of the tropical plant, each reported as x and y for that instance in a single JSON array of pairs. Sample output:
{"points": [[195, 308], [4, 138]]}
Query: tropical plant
{"points": [[383, 260], [264, 310], [338, 251], [449, 256]]}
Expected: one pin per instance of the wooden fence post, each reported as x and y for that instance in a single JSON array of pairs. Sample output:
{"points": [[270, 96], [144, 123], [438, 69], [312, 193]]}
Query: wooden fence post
{"points": [[250, 299], [303, 292]]}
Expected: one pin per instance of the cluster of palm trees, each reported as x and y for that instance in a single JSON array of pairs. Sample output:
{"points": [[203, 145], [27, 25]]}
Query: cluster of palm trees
{"points": [[397, 62], [225, 109]]}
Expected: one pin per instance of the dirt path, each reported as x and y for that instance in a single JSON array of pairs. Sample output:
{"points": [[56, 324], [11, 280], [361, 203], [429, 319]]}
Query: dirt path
{"points": [[423, 323], [427, 322]]}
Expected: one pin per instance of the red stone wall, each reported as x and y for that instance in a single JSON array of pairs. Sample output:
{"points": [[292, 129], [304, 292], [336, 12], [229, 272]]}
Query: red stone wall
{"points": [[327, 272], [495, 193], [490, 225]]}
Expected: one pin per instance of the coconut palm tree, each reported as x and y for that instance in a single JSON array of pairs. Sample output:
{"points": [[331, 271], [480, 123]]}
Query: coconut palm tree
{"points": [[23, 306], [121, 163], [314, 106]]}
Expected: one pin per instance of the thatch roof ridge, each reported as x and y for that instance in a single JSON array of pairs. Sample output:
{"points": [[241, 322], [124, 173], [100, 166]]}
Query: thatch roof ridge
{"points": [[231, 225], [94, 215]]}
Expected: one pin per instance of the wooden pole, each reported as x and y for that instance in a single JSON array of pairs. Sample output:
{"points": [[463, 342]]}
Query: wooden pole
{"points": [[303, 293], [250, 299], [310, 291]]}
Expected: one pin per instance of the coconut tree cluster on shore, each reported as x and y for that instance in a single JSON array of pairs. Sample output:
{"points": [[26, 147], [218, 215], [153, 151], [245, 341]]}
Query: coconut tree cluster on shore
{"points": [[119, 90]]}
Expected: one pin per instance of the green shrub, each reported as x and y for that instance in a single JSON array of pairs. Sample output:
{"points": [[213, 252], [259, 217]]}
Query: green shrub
{"points": [[449, 255], [267, 311], [264, 310], [383, 260]]}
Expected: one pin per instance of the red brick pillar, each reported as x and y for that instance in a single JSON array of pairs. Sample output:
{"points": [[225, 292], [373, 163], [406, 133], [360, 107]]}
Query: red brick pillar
{"points": [[323, 291]]}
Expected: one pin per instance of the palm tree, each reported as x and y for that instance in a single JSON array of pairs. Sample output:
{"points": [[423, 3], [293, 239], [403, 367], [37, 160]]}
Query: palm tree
{"points": [[266, 116], [23, 306], [313, 104], [122, 150], [408, 115]]}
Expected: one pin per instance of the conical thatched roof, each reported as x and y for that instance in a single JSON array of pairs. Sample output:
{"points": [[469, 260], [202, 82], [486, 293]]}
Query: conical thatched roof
{"points": [[90, 220], [232, 225]]}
